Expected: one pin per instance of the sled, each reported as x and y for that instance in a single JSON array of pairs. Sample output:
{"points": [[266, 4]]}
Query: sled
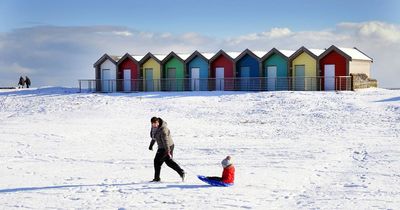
{"points": [[213, 182]]}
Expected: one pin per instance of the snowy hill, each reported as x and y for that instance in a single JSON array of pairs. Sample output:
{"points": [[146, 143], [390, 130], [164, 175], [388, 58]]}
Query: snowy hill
{"points": [[64, 150]]}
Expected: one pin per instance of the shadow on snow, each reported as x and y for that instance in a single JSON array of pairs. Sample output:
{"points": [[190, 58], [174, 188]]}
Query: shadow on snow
{"points": [[145, 186], [390, 99], [43, 91], [40, 91]]}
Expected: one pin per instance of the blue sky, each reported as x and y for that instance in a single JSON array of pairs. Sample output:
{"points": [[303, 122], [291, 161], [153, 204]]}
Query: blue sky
{"points": [[56, 42], [204, 16]]}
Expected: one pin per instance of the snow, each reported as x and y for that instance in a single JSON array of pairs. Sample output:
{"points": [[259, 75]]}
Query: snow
{"points": [[208, 55], [317, 52], [292, 150], [233, 55], [184, 56], [115, 57], [287, 53], [138, 57], [160, 56], [355, 54], [352, 52], [259, 54]]}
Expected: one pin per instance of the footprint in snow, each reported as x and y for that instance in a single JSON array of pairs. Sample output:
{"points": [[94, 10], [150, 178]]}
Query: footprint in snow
{"points": [[360, 156]]}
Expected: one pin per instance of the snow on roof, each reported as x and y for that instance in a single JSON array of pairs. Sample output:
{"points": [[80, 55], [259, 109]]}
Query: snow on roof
{"points": [[355, 54], [287, 53], [137, 57], [160, 56], [115, 57], [208, 55], [259, 54], [233, 54], [352, 52], [184, 56], [317, 52]]}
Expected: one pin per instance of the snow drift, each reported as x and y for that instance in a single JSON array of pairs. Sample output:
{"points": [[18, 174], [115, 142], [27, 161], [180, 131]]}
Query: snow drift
{"points": [[64, 150]]}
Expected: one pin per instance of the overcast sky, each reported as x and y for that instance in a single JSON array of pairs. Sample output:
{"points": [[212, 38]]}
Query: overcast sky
{"points": [[57, 42]]}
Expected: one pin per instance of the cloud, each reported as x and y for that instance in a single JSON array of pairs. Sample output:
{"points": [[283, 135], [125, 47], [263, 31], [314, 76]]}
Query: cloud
{"points": [[379, 40], [122, 33], [278, 32], [375, 30], [53, 55], [273, 34], [15, 67], [343, 33]]}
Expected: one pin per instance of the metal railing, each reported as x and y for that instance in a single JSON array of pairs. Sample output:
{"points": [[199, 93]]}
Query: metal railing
{"points": [[340, 83]]}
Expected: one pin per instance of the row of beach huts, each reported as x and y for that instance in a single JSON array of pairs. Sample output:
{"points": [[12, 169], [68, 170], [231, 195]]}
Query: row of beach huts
{"points": [[303, 69]]}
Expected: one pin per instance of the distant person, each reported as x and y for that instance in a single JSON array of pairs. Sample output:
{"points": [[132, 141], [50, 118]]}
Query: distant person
{"points": [[27, 81], [228, 174], [21, 82], [160, 133]]}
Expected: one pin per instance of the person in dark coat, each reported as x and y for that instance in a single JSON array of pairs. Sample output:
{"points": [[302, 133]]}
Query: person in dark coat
{"points": [[161, 134], [27, 81], [21, 82]]}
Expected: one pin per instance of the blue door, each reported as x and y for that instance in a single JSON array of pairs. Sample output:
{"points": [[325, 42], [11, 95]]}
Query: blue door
{"points": [[245, 78], [195, 81]]}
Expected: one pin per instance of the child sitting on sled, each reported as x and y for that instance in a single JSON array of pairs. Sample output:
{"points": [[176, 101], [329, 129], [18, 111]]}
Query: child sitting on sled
{"points": [[228, 174]]}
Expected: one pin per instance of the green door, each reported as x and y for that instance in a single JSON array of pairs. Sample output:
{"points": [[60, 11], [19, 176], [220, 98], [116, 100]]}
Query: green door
{"points": [[171, 79]]}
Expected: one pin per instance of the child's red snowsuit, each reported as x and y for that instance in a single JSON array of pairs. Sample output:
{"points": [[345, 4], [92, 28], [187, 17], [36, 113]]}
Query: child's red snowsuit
{"points": [[228, 175]]}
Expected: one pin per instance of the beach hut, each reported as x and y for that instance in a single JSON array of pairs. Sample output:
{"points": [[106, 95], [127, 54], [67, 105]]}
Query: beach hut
{"points": [[151, 71], [128, 73], [336, 64], [197, 67], [106, 73], [275, 65], [174, 72], [304, 64], [248, 71], [222, 70]]}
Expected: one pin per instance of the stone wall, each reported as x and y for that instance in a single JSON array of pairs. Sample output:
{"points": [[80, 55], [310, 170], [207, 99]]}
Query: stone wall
{"points": [[359, 81]]}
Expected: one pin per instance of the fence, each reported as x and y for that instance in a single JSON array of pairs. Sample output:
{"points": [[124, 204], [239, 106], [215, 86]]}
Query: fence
{"points": [[341, 83]]}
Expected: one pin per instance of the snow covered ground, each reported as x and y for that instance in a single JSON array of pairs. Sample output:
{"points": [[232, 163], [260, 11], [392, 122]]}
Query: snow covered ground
{"points": [[292, 150]]}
